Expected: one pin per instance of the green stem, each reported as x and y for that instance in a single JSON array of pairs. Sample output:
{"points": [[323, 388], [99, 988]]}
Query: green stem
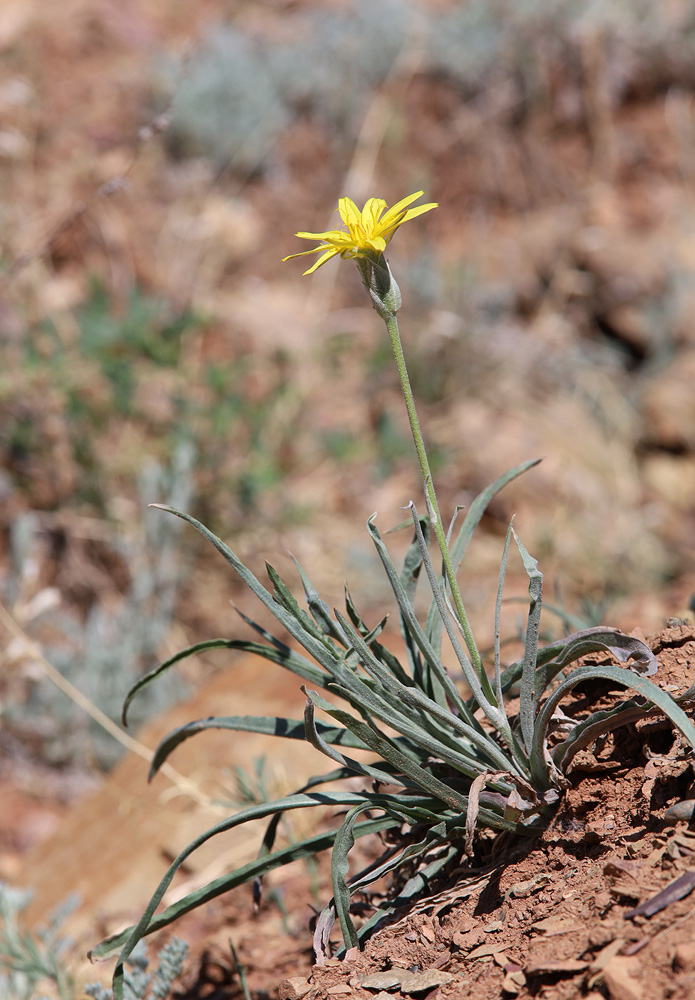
{"points": [[433, 505]]}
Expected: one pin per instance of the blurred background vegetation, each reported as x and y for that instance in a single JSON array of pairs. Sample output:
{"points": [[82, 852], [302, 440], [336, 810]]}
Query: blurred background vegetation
{"points": [[155, 161]]}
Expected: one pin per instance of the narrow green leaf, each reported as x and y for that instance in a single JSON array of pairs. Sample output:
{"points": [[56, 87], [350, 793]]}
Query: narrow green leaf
{"points": [[412, 564], [409, 577], [381, 652], [128, 938], [466, 532], [527, 694], [598, 724], [183, 654], [314, 736], [368, 701], [490, 751], [437, 834], [388, 751], [343, 890], [279, 654], [270, 726], [320, 611], [620, 675], [480, 505], [412, 629], [256, 811], [415, 629], [411, 808], [318, 648], [558, 655], [284, 596], [607, 720], [414, 888], [479, 685], [498, 617], [340, 866], [420, 743]]}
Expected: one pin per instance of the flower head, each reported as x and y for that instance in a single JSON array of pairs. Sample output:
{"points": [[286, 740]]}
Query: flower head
{"points": [[368, 231]]}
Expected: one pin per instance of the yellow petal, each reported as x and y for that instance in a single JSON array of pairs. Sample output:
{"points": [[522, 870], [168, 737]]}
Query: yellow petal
{"points": [[303, 253], [371, 212], [332, 234], [413, 213], [349, 212], [398, 208], [323, 260], [369, 231]]}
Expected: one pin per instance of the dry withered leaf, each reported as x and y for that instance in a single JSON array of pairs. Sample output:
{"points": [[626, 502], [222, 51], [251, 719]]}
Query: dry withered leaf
{"points": [[678, 889]]}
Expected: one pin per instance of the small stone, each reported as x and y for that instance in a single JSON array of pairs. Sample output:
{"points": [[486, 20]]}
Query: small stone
{"points": [[555, 967], [684, 957], [621, 985], [485, 951], [427, 932], [557, 925], [514, 979], [684, 810], [409, 982], [294, 988], [380, 980], [339, 990]]}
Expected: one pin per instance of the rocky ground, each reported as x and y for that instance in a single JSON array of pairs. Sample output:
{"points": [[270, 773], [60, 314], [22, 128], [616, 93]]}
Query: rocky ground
{"points": [[548, 312]]}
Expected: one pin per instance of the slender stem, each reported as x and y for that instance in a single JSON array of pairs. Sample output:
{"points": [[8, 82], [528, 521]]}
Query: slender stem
{"points": [[432, 504]]}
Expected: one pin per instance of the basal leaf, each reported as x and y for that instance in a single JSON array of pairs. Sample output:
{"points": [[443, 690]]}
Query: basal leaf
{"points": [[270, 726], [527, 694], [470, 523], [126, 940], [620, 675], [600, 639]]}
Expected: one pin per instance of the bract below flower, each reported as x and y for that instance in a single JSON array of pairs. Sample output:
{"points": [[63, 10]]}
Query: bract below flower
{"points": [[368, 231]]}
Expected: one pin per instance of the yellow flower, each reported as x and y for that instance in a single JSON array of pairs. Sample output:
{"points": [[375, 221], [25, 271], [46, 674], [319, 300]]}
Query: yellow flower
{"points": [[368, 231]]}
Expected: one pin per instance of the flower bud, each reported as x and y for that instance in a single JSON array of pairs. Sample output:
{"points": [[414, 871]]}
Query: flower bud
{"points": [[381, 285]]}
